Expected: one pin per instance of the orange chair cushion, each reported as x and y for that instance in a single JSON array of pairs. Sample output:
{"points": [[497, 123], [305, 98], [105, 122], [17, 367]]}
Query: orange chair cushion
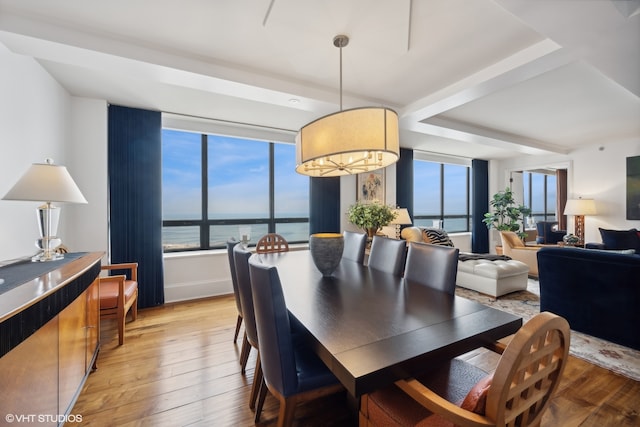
{"points": [[109, 292]]}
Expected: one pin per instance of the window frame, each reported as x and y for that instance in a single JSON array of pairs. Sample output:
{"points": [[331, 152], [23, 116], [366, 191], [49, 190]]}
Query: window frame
{"points": [[204, 224], [528, 195], [442, 216]]}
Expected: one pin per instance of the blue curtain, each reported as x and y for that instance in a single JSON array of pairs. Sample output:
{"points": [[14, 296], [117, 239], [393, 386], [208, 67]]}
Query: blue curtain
{"points": [[404, 180], [480, 206], [324, 205], [135, 197]]}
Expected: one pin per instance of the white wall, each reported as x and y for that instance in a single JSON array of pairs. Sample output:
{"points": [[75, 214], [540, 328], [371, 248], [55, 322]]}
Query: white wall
{"points": [[87, 163], [600, 174], [34, 112]]}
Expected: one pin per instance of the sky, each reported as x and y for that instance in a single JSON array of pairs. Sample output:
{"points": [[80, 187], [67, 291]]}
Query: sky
{"points": [[238, 171]]}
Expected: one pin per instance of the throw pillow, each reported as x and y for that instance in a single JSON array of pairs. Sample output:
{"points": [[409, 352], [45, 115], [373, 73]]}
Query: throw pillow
{"points": [[436, 237], [476, 400], [411, 234], [620, 239]]}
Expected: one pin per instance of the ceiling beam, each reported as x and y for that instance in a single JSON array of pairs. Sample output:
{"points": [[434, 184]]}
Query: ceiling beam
{"points": [[473, 134]]}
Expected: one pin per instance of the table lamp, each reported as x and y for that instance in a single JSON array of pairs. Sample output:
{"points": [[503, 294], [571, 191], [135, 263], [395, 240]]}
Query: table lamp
{"points": [[579, 208], [402, 218], [49, 183]]}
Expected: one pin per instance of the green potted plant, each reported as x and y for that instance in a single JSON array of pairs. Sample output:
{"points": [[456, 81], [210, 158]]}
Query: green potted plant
{"points": [[371, 217], [506, 213]]}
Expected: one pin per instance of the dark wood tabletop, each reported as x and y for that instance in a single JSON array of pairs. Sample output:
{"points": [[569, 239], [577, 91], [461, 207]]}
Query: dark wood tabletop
{"points": [[372, 328]]}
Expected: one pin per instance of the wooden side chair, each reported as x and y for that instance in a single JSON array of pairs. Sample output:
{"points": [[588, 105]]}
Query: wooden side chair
{"points": [[119, 294], [516, 394], [272, 242]]}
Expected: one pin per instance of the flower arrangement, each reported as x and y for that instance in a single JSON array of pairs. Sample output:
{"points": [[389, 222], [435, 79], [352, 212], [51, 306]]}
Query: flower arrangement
{"points": [[371, 216]]}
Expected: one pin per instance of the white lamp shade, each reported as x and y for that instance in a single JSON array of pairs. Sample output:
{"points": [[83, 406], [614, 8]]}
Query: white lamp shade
{"points": [[348, 142], [403, 217], [46, 183], [580, 207]]}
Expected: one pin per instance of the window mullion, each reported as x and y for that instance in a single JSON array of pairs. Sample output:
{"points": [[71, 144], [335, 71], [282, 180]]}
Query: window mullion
{"points": [[204, 224], [442, 193], [272, 189]]}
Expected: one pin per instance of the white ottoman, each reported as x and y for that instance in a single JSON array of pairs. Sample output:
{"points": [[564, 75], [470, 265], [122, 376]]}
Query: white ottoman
{"points": [[493, 278]]}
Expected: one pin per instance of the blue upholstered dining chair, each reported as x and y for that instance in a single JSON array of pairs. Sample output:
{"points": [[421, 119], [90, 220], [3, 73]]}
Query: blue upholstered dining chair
{"points": [[241, 258], [387, 255], [292, 372], [354, 246], [231, 243], [435, 266]]}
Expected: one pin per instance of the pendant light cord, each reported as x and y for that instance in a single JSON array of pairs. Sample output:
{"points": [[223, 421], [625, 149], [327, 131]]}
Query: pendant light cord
{"points": [[340, 77], [340, 41]]}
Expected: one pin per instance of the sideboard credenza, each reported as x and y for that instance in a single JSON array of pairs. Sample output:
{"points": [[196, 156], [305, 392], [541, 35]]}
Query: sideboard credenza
{"points": [[49, 337]]}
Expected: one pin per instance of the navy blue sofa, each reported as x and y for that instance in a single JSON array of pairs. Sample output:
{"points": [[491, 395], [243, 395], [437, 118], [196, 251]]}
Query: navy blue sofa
{"points": [[597, 291]]}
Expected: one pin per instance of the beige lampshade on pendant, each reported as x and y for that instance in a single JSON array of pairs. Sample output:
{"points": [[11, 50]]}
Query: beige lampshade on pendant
{"points": [[350, 141]]}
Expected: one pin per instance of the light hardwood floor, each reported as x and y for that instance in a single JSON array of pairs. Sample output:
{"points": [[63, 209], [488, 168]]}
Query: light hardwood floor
{"points": [[179, 367]]}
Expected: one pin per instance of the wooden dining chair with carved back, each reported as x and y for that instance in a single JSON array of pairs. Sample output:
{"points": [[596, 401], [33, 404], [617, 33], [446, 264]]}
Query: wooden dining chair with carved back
{"points": [[272, 242], [119, 294], [517, 393]]}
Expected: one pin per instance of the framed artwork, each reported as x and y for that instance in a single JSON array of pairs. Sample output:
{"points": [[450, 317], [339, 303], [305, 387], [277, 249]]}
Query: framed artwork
{"points": [[633, 187], [370, 186]]}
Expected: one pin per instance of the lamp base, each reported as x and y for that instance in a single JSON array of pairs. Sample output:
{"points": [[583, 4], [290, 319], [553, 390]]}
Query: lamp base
{"points": [[44, 257]]}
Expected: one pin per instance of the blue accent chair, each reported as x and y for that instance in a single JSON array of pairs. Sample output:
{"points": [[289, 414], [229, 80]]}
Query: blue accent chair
{"points": [[292, 372], [546, 234]]}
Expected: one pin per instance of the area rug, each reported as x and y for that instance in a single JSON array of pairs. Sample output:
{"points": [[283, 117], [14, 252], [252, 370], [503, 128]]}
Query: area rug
{"points": [[619, 359]]}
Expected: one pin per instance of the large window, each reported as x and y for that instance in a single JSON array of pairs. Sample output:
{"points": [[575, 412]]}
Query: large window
{"points": [[540, 195], [441, 193], [218, 187]]}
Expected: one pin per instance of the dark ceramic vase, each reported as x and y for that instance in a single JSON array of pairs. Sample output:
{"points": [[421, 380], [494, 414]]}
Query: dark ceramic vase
{"points": [[326, 251]]}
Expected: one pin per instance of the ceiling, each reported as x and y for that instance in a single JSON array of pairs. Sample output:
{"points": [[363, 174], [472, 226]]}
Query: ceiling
{"points": [[472, 78]]}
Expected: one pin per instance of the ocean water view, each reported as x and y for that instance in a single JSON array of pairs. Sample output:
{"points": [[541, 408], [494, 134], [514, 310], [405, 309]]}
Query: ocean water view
{"points": [[188, 237], [176, 238]]}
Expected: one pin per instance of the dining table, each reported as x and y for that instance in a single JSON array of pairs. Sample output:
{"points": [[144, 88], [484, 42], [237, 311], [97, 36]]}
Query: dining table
{"points": [[373, 328]]}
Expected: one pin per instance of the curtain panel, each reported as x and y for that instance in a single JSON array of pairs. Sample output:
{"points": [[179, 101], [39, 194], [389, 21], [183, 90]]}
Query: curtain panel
{"points": [[324, 205], [479, 206], [135, 197], [561, 192], [404, 181]]}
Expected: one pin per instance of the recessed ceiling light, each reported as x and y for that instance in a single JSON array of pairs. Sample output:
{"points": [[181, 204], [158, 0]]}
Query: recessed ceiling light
{"points": [[294, 101]]}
